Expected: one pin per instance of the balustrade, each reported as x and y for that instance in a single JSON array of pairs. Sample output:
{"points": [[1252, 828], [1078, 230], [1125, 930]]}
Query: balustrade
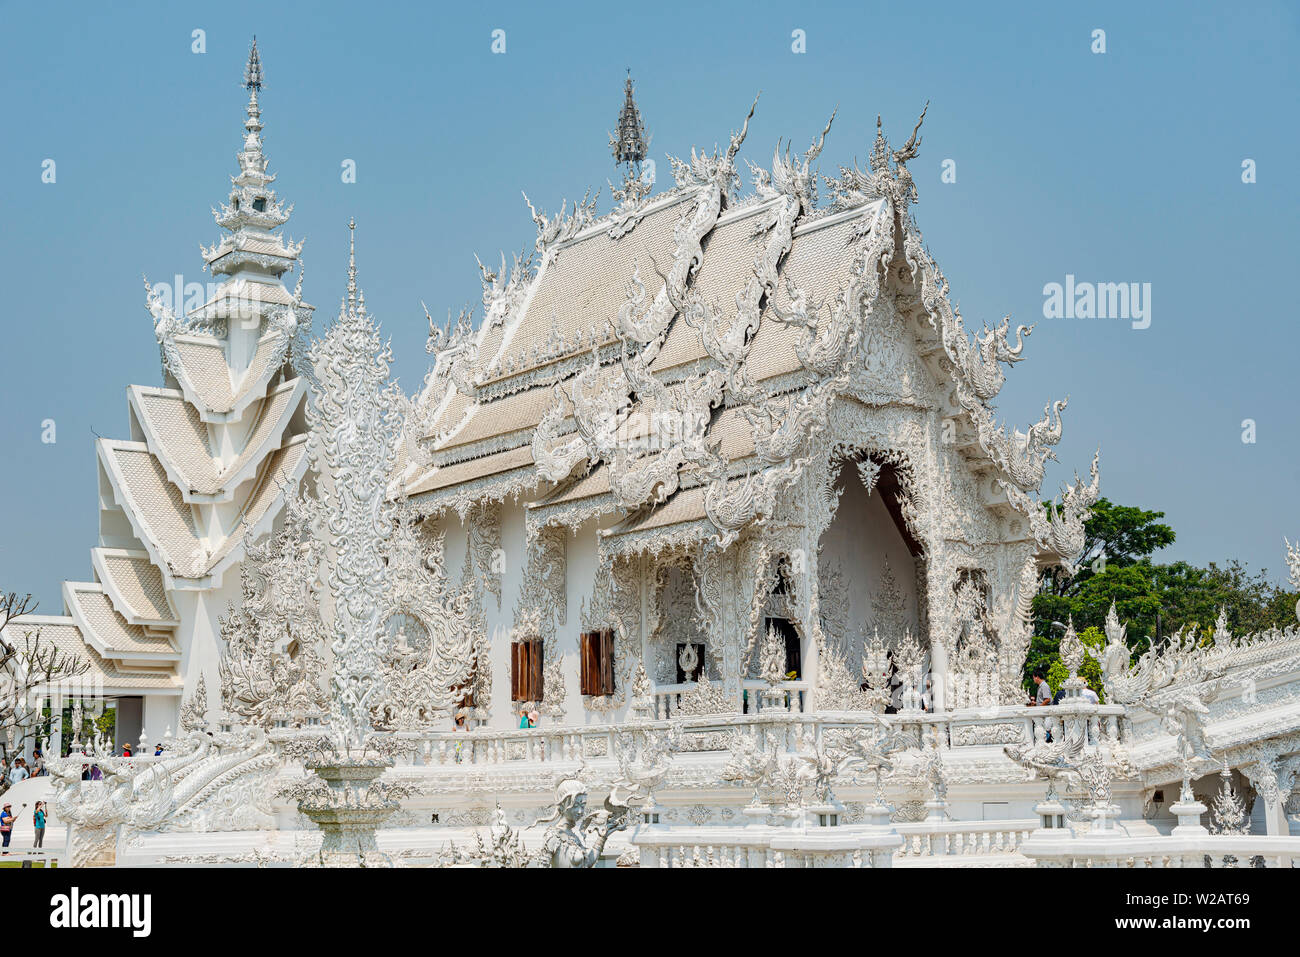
{"points": [[1195, 850], [962, 838], [786, 730]]}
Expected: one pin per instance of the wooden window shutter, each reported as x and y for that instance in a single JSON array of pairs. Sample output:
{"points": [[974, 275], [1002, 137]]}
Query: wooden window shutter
{"points": [[589, 663], [516, 670], [536, 689], [607, 662], [526, 670]]}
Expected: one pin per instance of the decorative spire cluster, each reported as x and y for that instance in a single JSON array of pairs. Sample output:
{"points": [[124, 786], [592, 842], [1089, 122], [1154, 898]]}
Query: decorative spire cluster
{"points": [[629, 145]]}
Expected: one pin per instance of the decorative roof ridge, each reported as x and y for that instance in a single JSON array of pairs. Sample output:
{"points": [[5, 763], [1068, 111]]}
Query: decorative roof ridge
{"points": [[103, 646], [491, 445], [99, 557], [244, 465], [650, 203], [284, 323], [215, 559]]}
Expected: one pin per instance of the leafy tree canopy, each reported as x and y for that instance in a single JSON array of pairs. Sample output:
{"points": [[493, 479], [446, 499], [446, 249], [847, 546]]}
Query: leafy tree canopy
{"points": [[1154, 600]]}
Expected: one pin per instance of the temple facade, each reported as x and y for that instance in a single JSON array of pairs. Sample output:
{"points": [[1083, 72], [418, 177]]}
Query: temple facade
{"points": [[709, 504]]}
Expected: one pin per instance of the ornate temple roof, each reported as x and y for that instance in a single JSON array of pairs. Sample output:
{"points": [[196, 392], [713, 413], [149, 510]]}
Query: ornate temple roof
{"points": [[180, 441], [63, 633], [135, 586], [695, 304], [108, 632], [164, 522]]}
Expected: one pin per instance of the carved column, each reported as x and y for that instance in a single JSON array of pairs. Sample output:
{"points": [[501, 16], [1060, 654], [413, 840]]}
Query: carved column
{"points": [[715, 591], [1272, 780]]}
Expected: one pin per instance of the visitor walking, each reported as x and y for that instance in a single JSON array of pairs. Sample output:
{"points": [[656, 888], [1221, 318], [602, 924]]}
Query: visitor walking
{"points": [[38, 822], [19, 773]]}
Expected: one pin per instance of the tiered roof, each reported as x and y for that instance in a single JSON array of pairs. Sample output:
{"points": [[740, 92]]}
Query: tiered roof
{"points": [[213, 451], [775, 278]]}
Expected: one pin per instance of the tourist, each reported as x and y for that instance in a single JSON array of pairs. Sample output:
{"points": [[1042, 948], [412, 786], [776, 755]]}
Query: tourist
{"points": [[6, 824], [19, 773], [458, 727], [523, 716], [1090, 696], [126, 749], [533, 716], [38, 822], [1044, 695], [38, 763], [157, 750]]}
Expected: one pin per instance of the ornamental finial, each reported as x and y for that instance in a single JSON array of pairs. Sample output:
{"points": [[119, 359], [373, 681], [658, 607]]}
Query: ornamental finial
{"points": [[629, 144], [352, 264], [253, 72]]}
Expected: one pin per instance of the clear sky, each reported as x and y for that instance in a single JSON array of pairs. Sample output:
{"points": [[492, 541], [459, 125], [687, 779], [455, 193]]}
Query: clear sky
{"points": [[1123, 166]]}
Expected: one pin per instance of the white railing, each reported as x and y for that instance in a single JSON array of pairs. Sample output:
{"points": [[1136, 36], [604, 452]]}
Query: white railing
{"points": [[955, 730], [962, 838], [1058, 849], [790, 696], [763, 846]]}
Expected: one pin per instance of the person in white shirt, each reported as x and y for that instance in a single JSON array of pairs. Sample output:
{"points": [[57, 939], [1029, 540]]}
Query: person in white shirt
{"points": [[1090, 696]]}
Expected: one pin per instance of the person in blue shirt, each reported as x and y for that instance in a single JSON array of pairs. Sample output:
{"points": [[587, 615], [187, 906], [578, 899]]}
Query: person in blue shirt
{"points": [[38, 821]]}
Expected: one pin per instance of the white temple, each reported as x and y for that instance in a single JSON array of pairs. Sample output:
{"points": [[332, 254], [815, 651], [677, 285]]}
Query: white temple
{"points": [[713, 485]]}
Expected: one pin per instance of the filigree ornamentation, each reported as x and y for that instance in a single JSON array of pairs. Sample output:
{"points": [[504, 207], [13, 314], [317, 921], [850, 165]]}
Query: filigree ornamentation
{"points": [[540, 605], [1015, 637], [194, 711], [273, 668], [555, 230], [1054, 760], [705, 699], [428, 677], [504, 847], [485, 543], [1058, 526], [504, 293], [355, 414], [1228, 811]]}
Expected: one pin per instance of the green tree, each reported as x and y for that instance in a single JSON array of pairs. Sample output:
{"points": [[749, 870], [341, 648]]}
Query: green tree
{"points": [[1154, 600]]}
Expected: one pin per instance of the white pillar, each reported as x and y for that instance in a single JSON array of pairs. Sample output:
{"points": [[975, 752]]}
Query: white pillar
{"points": [[56, 735], [938, 676]]}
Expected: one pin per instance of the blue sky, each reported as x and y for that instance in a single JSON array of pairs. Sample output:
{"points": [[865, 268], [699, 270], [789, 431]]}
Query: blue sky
{"points": [[1115, 167]]}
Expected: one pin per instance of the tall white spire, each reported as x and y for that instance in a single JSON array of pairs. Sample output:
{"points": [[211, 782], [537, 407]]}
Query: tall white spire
{"points": [[253, 210], [352, 264]]}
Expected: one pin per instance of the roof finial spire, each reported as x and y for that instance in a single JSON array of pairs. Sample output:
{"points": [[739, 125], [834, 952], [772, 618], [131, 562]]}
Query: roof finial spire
{"points": [[253, 72], [629, 145], [352, 264]]}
